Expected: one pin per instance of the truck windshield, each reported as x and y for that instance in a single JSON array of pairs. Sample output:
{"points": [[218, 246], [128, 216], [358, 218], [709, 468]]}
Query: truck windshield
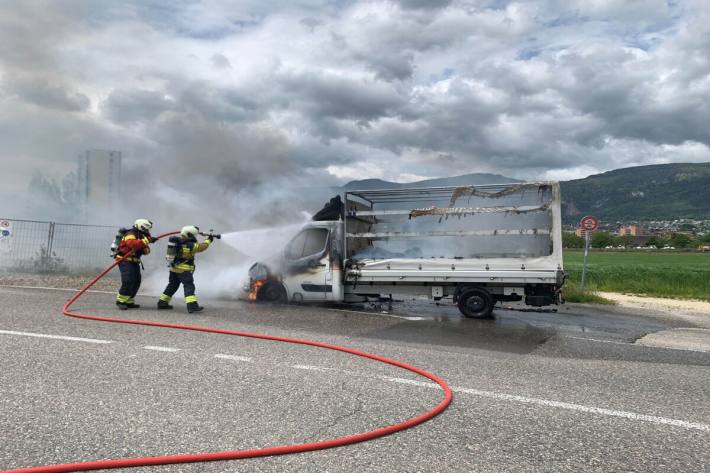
{"points": [[309, 242]]}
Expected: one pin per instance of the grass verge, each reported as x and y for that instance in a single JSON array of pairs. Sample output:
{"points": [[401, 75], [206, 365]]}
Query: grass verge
{"points": [[657, 274], [572, 293]]}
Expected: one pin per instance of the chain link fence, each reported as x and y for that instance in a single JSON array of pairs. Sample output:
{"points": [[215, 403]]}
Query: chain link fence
{"points": [[38, 246]]}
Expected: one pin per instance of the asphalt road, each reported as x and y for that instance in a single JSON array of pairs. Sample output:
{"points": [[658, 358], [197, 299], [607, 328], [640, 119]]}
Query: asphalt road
{"points": [[569, 391]]}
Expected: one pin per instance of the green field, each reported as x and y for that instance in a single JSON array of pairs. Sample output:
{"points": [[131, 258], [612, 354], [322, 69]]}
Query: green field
{"points": [[652, 273]]}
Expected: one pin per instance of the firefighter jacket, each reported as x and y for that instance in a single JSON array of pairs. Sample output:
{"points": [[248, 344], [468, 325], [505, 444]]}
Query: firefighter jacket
{"points": [[185, 258], [136, 242]]}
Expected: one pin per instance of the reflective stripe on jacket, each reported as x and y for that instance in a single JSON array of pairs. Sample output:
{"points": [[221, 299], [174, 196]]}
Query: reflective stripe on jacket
{"points": [[185, 260]]}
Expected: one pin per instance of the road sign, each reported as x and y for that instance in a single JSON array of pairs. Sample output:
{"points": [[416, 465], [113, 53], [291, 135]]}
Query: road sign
{"points": [[589, 223], [6, 240]]}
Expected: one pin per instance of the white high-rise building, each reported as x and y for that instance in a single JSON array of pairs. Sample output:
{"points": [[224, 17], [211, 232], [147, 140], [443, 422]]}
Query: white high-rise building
{"points": [[99, 184]]}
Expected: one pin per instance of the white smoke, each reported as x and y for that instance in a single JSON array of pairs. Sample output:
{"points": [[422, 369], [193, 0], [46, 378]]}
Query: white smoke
{"points": [[222, 270]]}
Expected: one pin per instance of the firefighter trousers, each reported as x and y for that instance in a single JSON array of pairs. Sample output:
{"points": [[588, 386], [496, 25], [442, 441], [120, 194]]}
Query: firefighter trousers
{"points": [[130, 281], [188, 286]]}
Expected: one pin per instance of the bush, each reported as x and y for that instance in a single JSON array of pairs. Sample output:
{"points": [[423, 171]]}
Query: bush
{"points": [[44, 262]]}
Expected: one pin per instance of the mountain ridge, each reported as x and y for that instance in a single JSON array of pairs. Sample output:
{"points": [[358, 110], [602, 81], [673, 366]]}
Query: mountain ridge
{"points": [[639, 193]]}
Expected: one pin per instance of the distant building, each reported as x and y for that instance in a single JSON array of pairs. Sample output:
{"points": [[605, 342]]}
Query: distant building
{"points": [[99, 183], [633, 230]]}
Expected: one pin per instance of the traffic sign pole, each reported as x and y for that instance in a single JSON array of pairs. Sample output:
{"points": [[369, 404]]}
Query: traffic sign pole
{"points": [[588, 224], [586, 254]]}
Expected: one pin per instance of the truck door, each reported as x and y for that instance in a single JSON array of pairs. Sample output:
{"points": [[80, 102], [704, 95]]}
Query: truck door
{"points": [[307, 265]]}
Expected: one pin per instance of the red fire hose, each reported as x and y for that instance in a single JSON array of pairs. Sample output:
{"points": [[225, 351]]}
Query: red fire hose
{"points": [[251, 453]]}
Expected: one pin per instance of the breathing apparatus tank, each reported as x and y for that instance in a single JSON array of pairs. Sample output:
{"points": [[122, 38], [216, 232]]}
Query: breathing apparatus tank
{"points": [[117, 241], [173, 250]]}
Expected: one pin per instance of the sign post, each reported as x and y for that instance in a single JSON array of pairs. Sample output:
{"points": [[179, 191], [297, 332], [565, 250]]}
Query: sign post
{"points": [[6, 240], [588, 224]]}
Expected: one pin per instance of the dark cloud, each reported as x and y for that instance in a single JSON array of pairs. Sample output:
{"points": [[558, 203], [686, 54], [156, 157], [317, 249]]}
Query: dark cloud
{"points": [[43, 93], [220, 61], [253, 101]]}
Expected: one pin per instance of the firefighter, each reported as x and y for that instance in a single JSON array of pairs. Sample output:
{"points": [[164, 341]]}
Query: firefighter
{"points": [[181, 258], [133, 245]]}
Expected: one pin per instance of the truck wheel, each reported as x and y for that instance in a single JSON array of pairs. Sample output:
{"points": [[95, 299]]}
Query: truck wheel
{"points": [[476, 303], [271, 292]]}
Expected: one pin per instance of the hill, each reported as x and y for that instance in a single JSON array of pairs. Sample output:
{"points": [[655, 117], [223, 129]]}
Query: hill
{"points": [[464, 180], [657, 192]]}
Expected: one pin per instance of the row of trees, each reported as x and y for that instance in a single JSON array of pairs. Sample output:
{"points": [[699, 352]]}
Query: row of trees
{"points": [[603, 240]]}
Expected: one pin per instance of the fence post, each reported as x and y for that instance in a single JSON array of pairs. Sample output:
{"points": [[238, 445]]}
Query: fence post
{"points": [[50, 239]]}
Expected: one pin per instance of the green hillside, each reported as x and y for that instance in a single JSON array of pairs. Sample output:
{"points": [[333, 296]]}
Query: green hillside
{"points": [[658, 192]]}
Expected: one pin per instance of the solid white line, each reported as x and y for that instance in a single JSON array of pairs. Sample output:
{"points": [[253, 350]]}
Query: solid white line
{"points": [[596, 340], [311, 368], [56, 289], [155, 348], [232, 357], [563, 405], [54, 337]]}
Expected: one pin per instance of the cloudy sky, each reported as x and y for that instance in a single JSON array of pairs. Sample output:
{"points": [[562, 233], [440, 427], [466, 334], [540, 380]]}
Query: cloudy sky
{"points": [[235, 95]]}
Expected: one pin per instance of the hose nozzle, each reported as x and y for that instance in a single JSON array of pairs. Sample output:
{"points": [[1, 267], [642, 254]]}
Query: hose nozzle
{"points": [[211, 234]]}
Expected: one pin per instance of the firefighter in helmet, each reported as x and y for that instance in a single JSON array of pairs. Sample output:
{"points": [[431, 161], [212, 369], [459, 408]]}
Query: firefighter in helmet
{"points": [[132, 246], [181, 259]]}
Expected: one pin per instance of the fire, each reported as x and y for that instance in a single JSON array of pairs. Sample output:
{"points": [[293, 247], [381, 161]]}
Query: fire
{"points": [[254, 288]]}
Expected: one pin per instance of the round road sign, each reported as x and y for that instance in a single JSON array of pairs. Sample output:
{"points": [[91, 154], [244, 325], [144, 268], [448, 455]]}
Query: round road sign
{"points": [[589, 223]]}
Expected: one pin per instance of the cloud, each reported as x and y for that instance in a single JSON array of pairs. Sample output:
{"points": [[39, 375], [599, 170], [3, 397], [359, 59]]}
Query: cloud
{"points": [[255, 101]]}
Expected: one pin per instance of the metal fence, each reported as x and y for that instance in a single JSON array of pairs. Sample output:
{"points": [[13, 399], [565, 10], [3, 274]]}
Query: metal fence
{"points": [[50, 246]]}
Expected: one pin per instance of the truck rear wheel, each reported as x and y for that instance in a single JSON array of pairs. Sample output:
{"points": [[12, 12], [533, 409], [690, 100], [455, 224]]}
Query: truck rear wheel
{"points": [[272, 291], [476, 303]]}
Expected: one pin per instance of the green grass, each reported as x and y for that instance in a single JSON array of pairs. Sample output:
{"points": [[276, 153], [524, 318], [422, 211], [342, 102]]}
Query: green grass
{"points": [[573, 293], [652, 273]]}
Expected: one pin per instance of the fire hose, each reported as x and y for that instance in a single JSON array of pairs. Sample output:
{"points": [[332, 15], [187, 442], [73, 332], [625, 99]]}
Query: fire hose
{"points": [[250, 453]]}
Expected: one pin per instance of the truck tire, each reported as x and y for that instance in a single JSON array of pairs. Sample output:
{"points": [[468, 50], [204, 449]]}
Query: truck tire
{"points": [[476, 303], [272, 291]]}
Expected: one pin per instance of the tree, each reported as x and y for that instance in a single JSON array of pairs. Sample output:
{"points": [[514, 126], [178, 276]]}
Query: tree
{"points": [[571, 240], [601, 240], [680, 240], [44, 197], [627, 241]]}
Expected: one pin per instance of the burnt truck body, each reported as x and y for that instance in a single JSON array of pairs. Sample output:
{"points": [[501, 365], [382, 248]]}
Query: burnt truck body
{"points": [[476, 244]]}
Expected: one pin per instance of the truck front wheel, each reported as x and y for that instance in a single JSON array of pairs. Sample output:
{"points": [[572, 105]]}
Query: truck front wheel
{"points": [[272, 291], [476, 303]]}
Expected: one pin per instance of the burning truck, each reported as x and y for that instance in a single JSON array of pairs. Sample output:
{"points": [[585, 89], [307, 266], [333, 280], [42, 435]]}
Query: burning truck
{"points": [[478, 245]]}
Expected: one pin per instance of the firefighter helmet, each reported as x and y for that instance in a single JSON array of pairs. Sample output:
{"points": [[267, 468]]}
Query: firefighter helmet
{"points": [[143, 225], [190, 232]]}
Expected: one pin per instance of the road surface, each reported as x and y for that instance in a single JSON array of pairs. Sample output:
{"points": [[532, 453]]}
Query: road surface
{"points": [[570, 391]]}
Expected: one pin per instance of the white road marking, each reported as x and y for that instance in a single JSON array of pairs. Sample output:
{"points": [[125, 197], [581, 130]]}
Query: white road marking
{"points": [[596, 340], [54, 337], [155, 348], [57, 289], [562, 405], [311, 368], [232, 357]]}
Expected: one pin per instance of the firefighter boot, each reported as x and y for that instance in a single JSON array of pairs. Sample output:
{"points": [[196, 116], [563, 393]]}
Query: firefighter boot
{"points": [[121, 305], [164, 305], [194, 307], [132, 305]]}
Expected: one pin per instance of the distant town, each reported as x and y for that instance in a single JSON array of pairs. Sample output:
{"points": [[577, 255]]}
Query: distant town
{"points": [[660, 234]]}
